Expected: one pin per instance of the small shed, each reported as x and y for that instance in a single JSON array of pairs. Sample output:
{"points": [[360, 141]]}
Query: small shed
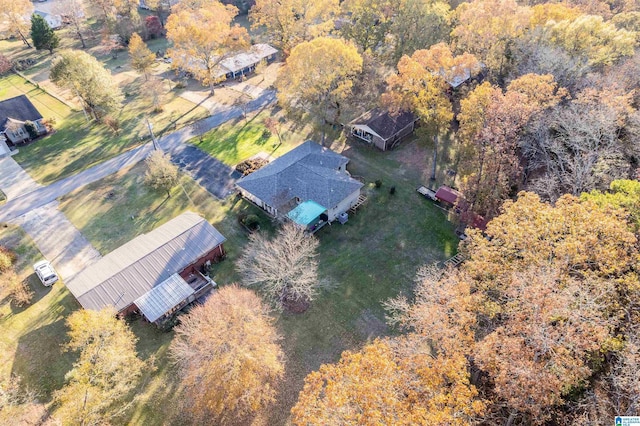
{"points": [[383, 129], [448, 195]]}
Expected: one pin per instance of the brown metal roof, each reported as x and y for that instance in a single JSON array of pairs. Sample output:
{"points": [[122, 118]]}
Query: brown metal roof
{"points": [[133, 269]]}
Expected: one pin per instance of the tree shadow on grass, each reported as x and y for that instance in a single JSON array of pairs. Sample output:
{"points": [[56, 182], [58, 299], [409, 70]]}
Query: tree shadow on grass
{"points": [[40, 359]]}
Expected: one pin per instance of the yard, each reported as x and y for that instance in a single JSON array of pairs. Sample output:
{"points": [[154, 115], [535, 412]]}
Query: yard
{"points": [[240, 139], [77, 145], [362, 263]]}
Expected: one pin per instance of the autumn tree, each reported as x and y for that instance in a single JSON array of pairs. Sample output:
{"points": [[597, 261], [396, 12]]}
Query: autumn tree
{"points": [[369, 22], [203, 35], [284, 267], [393, 381], [601, 42], [421, 83], [161, 173], [108, 368], [161, 9], [16, 14], [318, 76], [418, 24], [73, 11], [491, 123], [142, 59], [290, 22], [548, 274], [42, 35], [489, 28], [228, 356], [87, 78], [623, 194]]}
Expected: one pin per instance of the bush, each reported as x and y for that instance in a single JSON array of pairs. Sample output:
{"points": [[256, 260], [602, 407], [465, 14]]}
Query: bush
{"points": [[7, 257], [31, 128], [392, 190], [112, 123], [17, 290], [251, 165], [266, 134], [252, 222], [378, 183]]}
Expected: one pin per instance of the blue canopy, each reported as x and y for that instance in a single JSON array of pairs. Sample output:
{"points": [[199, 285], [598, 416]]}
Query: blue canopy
{"points": [[306, 213]]}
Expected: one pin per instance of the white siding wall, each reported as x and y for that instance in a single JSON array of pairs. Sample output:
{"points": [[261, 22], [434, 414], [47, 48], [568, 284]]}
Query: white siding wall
{"points": [[343, 206]]}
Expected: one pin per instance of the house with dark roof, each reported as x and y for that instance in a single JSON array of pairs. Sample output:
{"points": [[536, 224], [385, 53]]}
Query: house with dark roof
{"points": [[14, 113], [383, 129], [155, 274], [309, 185]]}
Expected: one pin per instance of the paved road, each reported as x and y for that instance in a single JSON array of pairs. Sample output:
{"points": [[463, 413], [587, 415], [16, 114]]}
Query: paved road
{"points": [[59, 241], [214, 180]]}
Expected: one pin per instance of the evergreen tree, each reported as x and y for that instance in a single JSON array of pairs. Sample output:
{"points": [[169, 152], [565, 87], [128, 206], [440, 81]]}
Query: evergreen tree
{"points": [[42, 35]]}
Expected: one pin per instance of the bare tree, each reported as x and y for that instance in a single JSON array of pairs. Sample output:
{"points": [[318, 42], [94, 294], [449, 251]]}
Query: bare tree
{"points": [[578, 148], [73, 12], [284, 267], [228, 356]]}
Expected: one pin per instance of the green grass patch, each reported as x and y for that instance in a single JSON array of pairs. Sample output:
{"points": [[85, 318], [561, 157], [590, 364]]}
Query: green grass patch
{"points": [[240, 139]]}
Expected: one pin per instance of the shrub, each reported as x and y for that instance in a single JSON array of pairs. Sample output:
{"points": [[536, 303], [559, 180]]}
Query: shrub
{"points": [[252, 222], [31, 128], [112, 123], [392, 190], [7, 257], [266, 134], [378, 183], [251, 165], [17, 290]]}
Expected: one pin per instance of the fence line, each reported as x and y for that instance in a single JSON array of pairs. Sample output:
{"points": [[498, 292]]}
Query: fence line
{"points": [[53, 95]]}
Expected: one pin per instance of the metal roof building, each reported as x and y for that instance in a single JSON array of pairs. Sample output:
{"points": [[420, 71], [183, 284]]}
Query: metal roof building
{"points": [[142, 269]]}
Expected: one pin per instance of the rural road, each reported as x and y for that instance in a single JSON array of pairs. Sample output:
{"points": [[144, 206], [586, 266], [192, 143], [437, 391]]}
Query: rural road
{"points": [[198, 166]]}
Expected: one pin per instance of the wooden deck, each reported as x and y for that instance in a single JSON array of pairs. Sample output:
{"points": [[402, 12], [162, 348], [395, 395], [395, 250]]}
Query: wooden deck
{"points": [[361, 200]]}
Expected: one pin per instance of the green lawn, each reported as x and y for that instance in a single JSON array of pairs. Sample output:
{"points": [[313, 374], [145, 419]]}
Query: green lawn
{"points": [[32, 338], [77, 145], [362, 263], [240, 139]]}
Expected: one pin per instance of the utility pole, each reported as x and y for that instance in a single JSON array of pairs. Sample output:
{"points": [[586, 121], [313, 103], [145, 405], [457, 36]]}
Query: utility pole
{"points": [[153, 138]]}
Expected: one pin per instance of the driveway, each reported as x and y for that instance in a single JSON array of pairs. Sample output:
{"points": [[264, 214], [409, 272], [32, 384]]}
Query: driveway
{"points": [[58, 240], [213, 175], [14, 181]]}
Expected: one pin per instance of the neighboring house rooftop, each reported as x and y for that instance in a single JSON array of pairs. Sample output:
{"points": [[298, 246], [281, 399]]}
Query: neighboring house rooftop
{"points": [[134, 269], [383, 123], [257, 53], [18, 109], [309, 172]]}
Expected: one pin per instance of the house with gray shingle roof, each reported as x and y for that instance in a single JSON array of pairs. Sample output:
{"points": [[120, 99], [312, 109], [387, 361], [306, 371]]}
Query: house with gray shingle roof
{"points": [[309, 178], [14, 113], [383, 129], [155, 274]]}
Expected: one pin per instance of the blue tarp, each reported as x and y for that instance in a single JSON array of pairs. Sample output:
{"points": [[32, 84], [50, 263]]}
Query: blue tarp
{"points": [[306, 213]]}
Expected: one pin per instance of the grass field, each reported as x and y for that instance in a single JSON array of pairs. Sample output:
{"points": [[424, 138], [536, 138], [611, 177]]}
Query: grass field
{"points": [[76, 144], [370, 259], [240, 139]]}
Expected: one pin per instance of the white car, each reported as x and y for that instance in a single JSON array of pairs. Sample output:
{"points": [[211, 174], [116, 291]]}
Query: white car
{"points": [[45, 272]]}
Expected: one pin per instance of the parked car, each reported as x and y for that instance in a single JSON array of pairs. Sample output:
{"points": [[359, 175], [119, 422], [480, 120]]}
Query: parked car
{"points": [[45, 272]]}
